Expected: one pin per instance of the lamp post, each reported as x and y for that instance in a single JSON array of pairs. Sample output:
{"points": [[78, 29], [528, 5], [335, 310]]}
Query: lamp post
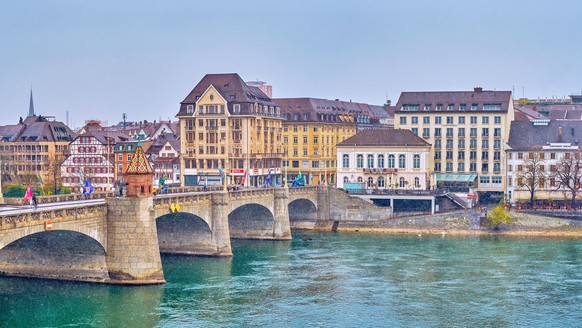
{"points": [[1, 174]]}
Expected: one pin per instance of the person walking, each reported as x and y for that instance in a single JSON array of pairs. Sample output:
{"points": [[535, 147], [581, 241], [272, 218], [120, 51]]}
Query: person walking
{"points": [[34, 201]]}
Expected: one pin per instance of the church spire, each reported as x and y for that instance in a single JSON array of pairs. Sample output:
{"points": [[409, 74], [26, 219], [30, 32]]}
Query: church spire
{"points": [[31, 106]]}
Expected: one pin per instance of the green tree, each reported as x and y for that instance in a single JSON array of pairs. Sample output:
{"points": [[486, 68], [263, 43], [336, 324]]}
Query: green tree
{"points": [[497, 217]]}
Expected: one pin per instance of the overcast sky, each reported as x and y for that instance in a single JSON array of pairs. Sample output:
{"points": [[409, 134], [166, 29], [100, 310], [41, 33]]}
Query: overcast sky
{"points": [[99, 59]]}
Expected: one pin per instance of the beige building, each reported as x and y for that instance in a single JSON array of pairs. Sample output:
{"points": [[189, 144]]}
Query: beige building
{"points": [[33, 150], [312, 129], [229, 129], [468, 131], [383, 159]]}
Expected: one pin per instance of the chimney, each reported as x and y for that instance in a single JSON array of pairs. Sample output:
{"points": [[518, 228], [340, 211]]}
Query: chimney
{"points": [[560, 134], [478, 89]]}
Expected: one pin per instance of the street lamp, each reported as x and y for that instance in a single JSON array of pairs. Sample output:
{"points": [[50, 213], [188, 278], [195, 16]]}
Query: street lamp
{"points": [[1, 193]]}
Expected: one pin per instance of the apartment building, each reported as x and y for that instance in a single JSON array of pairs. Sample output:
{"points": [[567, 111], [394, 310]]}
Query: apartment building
{"points": [[468, 131], [34, 149], [229, 129], [384, 159], [312, 129]]}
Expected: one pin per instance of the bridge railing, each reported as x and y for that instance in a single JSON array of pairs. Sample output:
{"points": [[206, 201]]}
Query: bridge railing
{"points": [[395, 192], [293, 190], [181, 199], [9, 221], [61, 198]]}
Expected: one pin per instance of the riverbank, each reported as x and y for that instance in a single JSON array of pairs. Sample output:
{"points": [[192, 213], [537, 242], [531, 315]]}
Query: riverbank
{"points": [[468, 223]]}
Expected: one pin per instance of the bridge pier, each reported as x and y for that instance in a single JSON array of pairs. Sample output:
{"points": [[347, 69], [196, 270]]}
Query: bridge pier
{"points": [[219, 228], [282, 226], [133, 255]]}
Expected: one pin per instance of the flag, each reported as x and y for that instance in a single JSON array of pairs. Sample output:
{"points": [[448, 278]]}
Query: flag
{"points": [[299, 180], [200, 179], [162, 182], [221, 174], [244, 178], [88, 188], [268, 180], [39, 180], [28, 194]]}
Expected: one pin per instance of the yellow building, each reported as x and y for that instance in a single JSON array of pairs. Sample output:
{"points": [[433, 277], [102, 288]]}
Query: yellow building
{"points": [[229, 130], [312, 129], [33, 150], [468, 131]]}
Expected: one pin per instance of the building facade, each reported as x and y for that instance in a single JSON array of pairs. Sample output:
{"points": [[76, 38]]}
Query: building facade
{"points": [[468, 132], [384, 159], [91, 157], [231, 131], [33, 150], [535, 149], [312, 129]]}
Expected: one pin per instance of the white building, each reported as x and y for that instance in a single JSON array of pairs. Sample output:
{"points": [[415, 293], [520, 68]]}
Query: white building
{"points": [[550, 140], [384, 159]]}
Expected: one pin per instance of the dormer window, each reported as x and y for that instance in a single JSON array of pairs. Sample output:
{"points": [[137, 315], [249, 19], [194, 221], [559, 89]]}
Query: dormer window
{"points": [[189, 109]]}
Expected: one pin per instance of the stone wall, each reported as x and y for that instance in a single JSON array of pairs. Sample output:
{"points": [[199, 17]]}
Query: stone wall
{"points": [[133, 255]]}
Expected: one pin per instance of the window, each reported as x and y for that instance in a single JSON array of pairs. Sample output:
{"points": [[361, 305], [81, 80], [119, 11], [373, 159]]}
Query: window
{"points": [[360, 161], [461, 167], [437, 143], [437, 132], [473, 119], [189, 109], [409, 107], [437, 120], [295, 140], [461, 155], [485, 167], [497, 144], [370, 182], [426, 132], [416, 182], [415, 131], [461, 132], [401, 182], [473, 155], [449, 144], [497, 156], [380, 161], [314, 164], [496, 167], [497, 132], [492, 107], [346, 160], [497, 119], [414, 120], [305, 141], [426, 120], [381, 183], [484, 155], [437, 155], [463, 107], [449, 155], [461, 144], [449, 120], [346, 179], [473, 144], [472, 167], [416, 161], [519, 155], [426, 106], [485, 119], [315, 139], [449, 167], [451, 107], [449, 132], [473, 132], [474, 106], [437, 167], [402, 119], [485, 144], [439, 107], [485, 132], [402, 161], [462, 119], [305, 128], [370, 161], [484, 180], [360, 179], [391, 161]]}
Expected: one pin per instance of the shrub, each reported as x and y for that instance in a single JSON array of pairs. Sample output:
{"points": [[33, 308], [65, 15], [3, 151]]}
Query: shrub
{"points": [[497, 217]]}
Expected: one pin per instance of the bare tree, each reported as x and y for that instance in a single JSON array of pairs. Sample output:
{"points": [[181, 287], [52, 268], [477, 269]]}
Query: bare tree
{"points": [[568, 173], [533, 174]]}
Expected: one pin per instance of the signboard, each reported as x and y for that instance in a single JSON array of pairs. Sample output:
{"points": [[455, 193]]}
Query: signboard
{"points": [[233, 171]]}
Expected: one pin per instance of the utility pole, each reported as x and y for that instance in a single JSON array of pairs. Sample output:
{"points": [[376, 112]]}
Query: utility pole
{"points": [[1, 193]]}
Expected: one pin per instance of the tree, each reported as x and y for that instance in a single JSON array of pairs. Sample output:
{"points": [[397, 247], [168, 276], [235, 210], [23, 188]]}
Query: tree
{"points": [[53, 170], [533, 175], [568, 173], [497, 217]]}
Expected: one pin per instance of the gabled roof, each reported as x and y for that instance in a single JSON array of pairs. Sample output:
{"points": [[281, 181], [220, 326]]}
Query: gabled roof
{"points": [[139, 163], [384, 137], [526, 135], [107, 137], [445, 98], [36, 129], [231, 87]]}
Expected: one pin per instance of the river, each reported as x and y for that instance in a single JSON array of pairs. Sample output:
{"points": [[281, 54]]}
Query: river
{"points": [[329, 280]]}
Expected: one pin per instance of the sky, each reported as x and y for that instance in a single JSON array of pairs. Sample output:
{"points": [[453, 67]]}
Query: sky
{"points": [[99, 59]]}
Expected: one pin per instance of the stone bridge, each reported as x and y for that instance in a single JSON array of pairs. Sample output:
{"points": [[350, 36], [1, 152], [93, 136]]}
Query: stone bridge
{"points": [[119, 240]]}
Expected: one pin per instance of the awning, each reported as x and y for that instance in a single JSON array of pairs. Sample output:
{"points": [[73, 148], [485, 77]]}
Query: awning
{"points": [[452, 177]]}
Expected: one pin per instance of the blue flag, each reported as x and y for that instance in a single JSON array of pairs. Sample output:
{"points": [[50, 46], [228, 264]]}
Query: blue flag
{"points": [[88, 188], [221, 174]]}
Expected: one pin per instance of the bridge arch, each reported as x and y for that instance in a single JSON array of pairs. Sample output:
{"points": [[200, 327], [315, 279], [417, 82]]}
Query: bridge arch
{"points": [[302, 209], [55, 254], [184, 233], [251, 221]]}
